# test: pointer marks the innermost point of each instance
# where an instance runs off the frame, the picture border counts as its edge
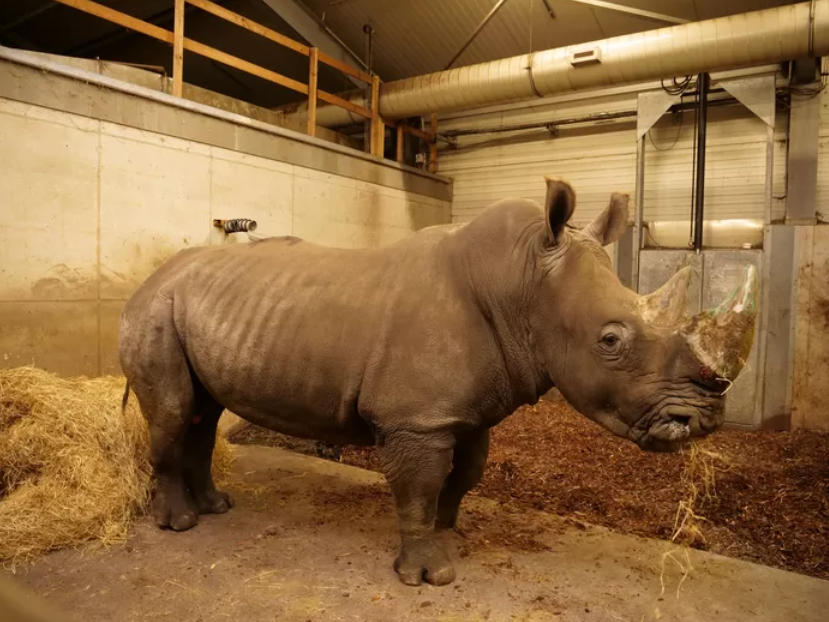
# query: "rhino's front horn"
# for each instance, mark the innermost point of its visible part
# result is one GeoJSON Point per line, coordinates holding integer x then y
{"type": "Point", "coordinates": [721, 338]}
{"type": "Point", "coordinates": [666, 306]}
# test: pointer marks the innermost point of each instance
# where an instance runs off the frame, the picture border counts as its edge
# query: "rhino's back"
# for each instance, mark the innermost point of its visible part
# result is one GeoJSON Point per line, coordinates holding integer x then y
{"type": "Point", "coordinates": [282, 330]}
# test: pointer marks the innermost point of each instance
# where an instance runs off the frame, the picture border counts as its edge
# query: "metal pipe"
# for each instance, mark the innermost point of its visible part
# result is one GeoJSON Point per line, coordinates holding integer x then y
{"type": "Point", "coordinates": [699, 201]}
{"type": "Point", "coordinates": [368, 30]}
{"type": "Point", "coordinates": [591, 118]}
{"type": "Point", "coordinates": [476, 32]}
{"type": "Point", "coordinates": [639, 189]}
{"type": "Point", "coordinates": [550, 125]}
{"type": "Point", "coordinates": [236, 225]}
{"type": "Point", "coordinates": [737, 41]}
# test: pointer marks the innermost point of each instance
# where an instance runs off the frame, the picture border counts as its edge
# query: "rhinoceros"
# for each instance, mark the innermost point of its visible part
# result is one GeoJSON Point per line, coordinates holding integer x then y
{"type": "Point", "coordinates": [419, 348]}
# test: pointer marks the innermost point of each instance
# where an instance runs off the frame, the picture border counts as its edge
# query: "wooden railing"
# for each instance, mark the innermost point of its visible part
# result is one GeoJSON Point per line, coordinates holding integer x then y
{"type": "Point", "coordinates": [315, 56]}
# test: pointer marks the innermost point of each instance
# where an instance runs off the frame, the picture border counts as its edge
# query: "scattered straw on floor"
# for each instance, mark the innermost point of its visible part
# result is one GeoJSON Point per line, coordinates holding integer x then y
{"type": "Point", "coordinates": [698, 482]}
{"type": "Point", "coordinates": [73, 467]}
{"type": "Point", "coordinates": [771, 504]}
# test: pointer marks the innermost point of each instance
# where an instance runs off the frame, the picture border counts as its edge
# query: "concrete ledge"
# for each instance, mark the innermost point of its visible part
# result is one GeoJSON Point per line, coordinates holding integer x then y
{"type": "Point", "coordinates": [33, 80]}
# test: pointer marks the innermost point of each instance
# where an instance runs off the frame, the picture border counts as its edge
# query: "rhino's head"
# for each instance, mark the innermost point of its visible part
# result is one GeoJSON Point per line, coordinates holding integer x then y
{"type": "Point", "coordinates": [638, 365]}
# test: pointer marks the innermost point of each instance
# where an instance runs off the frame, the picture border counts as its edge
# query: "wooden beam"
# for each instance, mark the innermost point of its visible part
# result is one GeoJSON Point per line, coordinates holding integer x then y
{"type": "Point", "coordinates": [418, 132]}
{"type": "Point", "coordinates": [344, 103]}
{"type": "Point", "coordinates": [409, 129]}
{"type": "Point", "coordinates": [132, 23]}
{"type": "Point", "coordinates": [401, 137]}
{"type": "Point", "coordinates": [243, 65]}
{"type": "Point", "coordinates": [377, 127]}
{"type": "Point", "coordinates": [244, 22]}
{"type": "Point", "coordinates": [433, 148]}
{"type": "Point", "coordinates": [312, 91]}
{"type": "Point", "coordinates": [178, 49]}
{"type": "Point", "coordinates": [345, 68]}
{"type": "Point", "coordinates": [122, 19]}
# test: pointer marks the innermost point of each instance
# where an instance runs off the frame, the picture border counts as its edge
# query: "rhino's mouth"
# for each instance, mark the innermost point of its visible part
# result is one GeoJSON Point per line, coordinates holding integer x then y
{"type": "Point", "coordinates": [676, 425]}
{"type": "Point", "coordinates": [668, 433]}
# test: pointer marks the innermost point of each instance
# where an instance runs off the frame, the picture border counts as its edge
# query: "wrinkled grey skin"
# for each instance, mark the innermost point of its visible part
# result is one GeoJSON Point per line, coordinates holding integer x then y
{"type": "Point", "coordinates": [418, 348]}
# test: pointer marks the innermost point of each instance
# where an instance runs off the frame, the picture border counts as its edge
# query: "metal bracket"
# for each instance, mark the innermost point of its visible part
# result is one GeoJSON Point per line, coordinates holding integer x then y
{"type": "Point", "coordinates": [650, 107]}
{"type": "Point", "coordinates": [757, 94]}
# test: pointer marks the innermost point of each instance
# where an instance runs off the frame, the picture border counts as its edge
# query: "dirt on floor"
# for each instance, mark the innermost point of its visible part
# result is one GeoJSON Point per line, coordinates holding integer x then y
{"type": "Point", "coordinates": [770, 505]}
{"type": "Point", "coordinates": [313, 540]}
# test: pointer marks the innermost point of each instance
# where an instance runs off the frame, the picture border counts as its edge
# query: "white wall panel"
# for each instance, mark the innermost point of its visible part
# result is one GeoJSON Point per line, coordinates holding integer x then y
{"type": "Point", "coordinates": [601, 158]}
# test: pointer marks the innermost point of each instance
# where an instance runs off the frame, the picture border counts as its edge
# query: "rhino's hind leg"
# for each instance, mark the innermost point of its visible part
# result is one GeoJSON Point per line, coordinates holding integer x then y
{"type": "Point", "coordinates": [167, 406]}
{"type": "Point", "coordinates": [416, 466]}
{"type": "Point", "coordinates": [157, 370]}
{"type": "Point", "coordinates": [468, 464]}
{"type": "Point", "coordinates": [198, 455]}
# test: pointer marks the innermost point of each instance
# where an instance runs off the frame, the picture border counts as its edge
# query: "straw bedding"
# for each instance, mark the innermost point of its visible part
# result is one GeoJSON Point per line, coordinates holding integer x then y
{"type": "Point", "coordinates": [759, 496]}
{"type": "Point", "coordinates": [73, 467]}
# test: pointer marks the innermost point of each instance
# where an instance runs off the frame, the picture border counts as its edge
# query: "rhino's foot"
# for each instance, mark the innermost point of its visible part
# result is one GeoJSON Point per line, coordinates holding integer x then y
{"type": "Point", "coordinates": [424, 561]}
{"type": "Point", "coordinates": [213, 502]}
{"type": "Point", "coordinates": [174, 511]}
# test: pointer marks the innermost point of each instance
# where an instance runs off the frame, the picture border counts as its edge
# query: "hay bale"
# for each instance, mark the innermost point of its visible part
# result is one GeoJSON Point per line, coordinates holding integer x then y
{"type": "Point", "coordinates": [73, 467]}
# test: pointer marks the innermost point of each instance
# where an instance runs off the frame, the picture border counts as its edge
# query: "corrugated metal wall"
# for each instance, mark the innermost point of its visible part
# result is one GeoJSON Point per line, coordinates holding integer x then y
{"type": "Point", "coordinates": [601, 158]}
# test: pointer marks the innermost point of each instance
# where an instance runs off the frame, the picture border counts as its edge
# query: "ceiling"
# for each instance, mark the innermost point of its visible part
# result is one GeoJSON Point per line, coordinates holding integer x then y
{"type": "Point", "coordinates": [414, 37]}
{"type": "Point", "coordinates": [411, 37]}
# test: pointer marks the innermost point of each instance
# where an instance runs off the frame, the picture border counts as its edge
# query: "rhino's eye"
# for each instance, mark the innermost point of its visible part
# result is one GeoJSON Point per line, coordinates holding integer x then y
{"type": "Point", "coordinates": [611, 341]}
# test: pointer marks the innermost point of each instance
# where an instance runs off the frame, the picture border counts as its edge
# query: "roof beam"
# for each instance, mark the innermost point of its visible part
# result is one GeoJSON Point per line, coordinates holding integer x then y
{"type": "Point", "coordinates": [475, 32]}
{"type": "Point", "coordinates": [621, 8]}
{"type": "Point", "coordinates": [315, 32]}
{"type": "Point", "coordinates": [26, 17]}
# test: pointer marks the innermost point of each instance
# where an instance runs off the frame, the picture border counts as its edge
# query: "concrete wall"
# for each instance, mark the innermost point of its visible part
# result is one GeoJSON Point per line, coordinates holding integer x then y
{"type": "Point", "coordinates": [810, 408]}
{"type": "Point", "coordinates": [811, 357]}
{"type": "Point", "coordinates": [90, 207]}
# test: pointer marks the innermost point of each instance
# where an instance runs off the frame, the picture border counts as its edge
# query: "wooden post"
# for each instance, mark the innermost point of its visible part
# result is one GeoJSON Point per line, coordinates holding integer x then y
{"type": "Point", "coordinates": [377, 129]}
{"type": "Point", "coordinates": [178, 49]}
{"type": "Point", "coordinates": [312, 92]}
{"type": "Point", "coordinates": [433, 148]}
{"type": "Point", "coordinates": [400, 142]}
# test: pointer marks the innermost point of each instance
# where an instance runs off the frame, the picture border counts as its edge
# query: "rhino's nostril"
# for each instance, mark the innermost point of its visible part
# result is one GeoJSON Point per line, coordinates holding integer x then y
{"type": "Point", "coordinates": [712, 385]}
{"type": "Point", "coordinates": [684, 420]}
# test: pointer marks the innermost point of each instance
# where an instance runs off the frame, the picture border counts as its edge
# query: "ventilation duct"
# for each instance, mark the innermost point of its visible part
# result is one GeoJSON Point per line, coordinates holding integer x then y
{"type": "Point", "coordinates": [761, 37]}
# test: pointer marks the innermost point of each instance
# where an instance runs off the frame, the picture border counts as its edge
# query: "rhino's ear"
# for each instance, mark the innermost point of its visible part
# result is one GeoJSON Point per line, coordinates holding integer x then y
{"type": "Point", "coordinates": [611, 224]}
{"type": "Point", "coordinates": [558, 205]}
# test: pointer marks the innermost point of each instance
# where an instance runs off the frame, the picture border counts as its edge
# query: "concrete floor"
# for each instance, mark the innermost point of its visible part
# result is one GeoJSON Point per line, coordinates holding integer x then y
{"type": "Point", "coordinates": [314, 540]}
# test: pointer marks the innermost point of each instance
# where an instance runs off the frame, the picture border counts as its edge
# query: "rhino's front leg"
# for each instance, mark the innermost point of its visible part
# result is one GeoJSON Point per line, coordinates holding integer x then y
{"type": "Point", "coordinates": [468, 464]}
{"type": "Point", "coordinates": [415, 465]}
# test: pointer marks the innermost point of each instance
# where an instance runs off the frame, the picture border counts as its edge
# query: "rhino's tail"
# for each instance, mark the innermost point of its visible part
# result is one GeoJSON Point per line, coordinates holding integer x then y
{"type": "Point", "coordinates": [126, 397]}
